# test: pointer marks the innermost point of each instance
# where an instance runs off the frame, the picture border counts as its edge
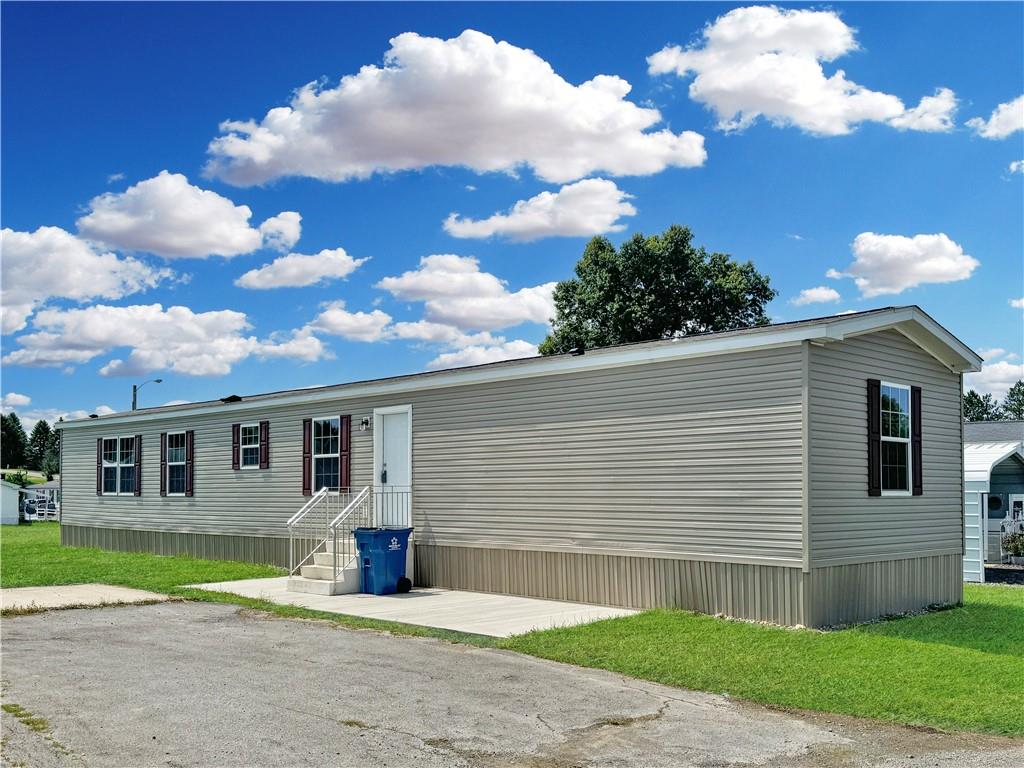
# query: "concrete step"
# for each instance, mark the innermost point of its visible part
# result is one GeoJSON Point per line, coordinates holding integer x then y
{"type": "Point", "coordinates": [314, 586]}
{"type": "Point", "coordinates": [345, 585]}
{"type": "Point", "coordinates": [327, 558]}
{"type": "Point", "coordinates": [317, 572]}
{"type": "Point", "coordinates": [343, 545]}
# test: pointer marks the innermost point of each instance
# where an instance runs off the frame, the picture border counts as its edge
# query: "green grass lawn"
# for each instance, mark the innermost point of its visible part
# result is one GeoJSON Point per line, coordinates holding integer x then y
{"type": "Point", "coordinates": [956, 669]}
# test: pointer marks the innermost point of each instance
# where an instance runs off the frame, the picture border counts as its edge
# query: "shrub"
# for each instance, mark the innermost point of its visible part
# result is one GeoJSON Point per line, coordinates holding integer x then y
{"type": "Point", "coordinates": [1014, 544]}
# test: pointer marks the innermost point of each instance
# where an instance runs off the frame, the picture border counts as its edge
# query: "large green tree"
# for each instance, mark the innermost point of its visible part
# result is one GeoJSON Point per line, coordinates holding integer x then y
{"type": "Point", "coordinates": [1013, 403]}
{"type": "Point", "coordinates": [979, 407]}
{"type": "Point", "coordinates": [654, 287]}
{"type": "Point", "coordinates": [13, 441]}
{"type": "Point", "coordinates": [39, 444]}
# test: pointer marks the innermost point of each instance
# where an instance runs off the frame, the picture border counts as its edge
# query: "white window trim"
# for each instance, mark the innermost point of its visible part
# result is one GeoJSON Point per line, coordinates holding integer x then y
{"type": "Point", "coordinates": [314, 455]}
{"type": "Point", "coordinates": [168, 463]}
{"type": "Point", "coordinates": [242, 446]}
{"type": "Point", "coordinates": [904, 440]}
{"type": "Point", "coordinates": [117, 465]}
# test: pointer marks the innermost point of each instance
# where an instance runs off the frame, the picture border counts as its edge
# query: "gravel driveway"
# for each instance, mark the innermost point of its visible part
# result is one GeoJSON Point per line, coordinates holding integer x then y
{"type": "Point", "coordinates": [193, 684]}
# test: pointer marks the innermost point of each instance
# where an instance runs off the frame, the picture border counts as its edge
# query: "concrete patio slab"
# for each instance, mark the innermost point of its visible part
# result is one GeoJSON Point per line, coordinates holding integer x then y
{"type": "Point", "coordinates": [476, 612]}
{"type": "Point", "coordinates": [73, 596]}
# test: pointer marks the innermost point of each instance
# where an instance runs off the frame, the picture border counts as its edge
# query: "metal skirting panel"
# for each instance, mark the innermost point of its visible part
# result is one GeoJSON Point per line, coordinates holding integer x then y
{"type": "Point", "coordinates": [758, 592]}
{"type": "Point", "coordinates": [249, 549]}
{"type": "Point", "coordinates": [846, 594]}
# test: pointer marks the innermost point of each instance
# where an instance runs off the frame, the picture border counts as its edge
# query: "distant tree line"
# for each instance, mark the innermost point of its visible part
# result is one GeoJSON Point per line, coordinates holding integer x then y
{"type": "Point", "coordinates": [978, 407]}
{"type": "Point", "coordinates": [39, 451]}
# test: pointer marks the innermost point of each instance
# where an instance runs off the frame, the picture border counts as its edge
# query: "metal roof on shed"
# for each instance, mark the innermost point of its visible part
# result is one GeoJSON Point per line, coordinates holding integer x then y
{"type": "Point", "coordinates": [981, 458]}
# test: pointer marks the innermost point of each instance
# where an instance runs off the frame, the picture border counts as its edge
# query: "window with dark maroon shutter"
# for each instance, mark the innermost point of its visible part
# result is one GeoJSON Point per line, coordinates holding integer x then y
{"type": "Point", "coordinates": [236, 448]}
{"type": "Point", "coordinates": [264, 445]}
{"type": "Point", "coordinates": [189, 461]}
{"type": "Point", "coordinates": [307, 457]}
{"type": "Point", "coordinates": [138, 465]}
{"type": "Point", "coordinates": [99, 466]}
{"type": "Point", "coordinates": [163, 463]}
{"type": "Point", "coordinates": [917, 459]}
{"type": "Point", "coordinates": [345, 457]}
{"type": "Point", "coordinates": [874, 437]}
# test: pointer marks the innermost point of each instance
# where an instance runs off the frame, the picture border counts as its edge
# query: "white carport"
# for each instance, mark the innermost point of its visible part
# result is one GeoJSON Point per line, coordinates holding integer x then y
{"type": "Point", "coordinates": [979, 461]}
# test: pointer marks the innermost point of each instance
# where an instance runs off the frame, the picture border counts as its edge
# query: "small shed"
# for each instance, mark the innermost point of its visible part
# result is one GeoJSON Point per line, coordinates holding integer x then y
{"type": "Point", "coordinates": [993, 501]}
{"type": "Point", "coordinates": [8, 503]}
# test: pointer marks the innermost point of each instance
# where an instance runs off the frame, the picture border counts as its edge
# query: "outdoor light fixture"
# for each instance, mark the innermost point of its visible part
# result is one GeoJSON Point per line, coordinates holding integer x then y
{"type": "Point", "coordinates": [137, 387]}
{"type": "Point", "coordinates": [364, 424]}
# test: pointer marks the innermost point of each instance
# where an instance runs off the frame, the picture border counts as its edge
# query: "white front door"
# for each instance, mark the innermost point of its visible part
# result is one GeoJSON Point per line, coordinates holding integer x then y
{"type": "Point", "coordinates": [393, 465]}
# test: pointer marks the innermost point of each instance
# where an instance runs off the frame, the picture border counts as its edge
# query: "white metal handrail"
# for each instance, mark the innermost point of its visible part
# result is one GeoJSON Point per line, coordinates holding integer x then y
{"type": "Point", "coordinates": [306, 507]}
{"type": "Point", "coordinates": [360, 497]}
{"type": "Point", "coordinates": [326, 523]}
{"type": "Point", "coordinates": [341, 532]}
{"type": "Point", "coordinates": [309, 528]}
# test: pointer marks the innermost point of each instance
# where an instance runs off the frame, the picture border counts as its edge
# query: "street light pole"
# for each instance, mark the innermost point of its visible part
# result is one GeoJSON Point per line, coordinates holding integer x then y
{"type": "Point", "coordinates": [137, 387]}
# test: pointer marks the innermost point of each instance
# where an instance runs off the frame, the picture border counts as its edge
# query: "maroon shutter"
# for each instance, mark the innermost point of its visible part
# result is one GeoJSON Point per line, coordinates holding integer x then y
{"type": "Point", "coordinates": [264, 445]}
{"type": "Point", "coordinates": [138, 465]}
{"type": "Point", "coordinates": [99, 466]}
{"type": "Point", "coordinates": [916, 458]}
{"type": "Point", "coordinates": [163, 463]}
{"type": "Point", "coordinates": [307, 457]}
{"type": "Point", "coordinates": [189, 462]}
{"type": "Point", "coordinates": [345, 454]}
{"type": "Point", "coordinates": [874, 437]}
{"type": "Point", "coordinates": [236, 438]}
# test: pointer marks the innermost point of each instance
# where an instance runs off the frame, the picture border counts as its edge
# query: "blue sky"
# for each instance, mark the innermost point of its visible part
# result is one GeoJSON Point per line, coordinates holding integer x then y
{"type": "Point", "coordinates": [765, 152]}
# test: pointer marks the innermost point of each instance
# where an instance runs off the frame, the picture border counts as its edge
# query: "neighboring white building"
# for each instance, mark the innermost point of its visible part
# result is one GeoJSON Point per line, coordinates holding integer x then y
{"type": "Point", "coordinates": [993, 499]}
{"type": "Point", "coordinates": [8, 503]}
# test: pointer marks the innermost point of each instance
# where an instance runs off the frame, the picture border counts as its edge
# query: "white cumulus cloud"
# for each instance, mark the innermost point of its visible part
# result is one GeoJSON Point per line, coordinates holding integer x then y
{"type": "Point", "coordinates": [996, 376]}
{"type": "Point", "coordinates": [1005, 120]}
{"type": "Point", "coordinates": [764, 61]}
{"type": "Point", "coordinates": [283, 231]}
{"type": "Point", "coordinates": [14, 400]}
{"type": "Point", "coordinates": [439, 333]}
{"type": "Point", "coordinates": [167, 216]}
{"type": "Point", "coordinates": [174, 339]}
{"type": "Point", "coordinates": [934, 114]}
{"type": "Point", "coordinates": [355, 326]}
{"type": "Point", "coordinates": [467, 101]}
{"type": "Point", "coordinates": [1016, 166]}
{"type": "Point", "coordinates": [297, 269]}
{"type": "Point", "coordinates": [1017, 303]}
{"type": "Point", "coordinates": [819, 295]}
{"type": "Point", "coordinates": [53, 263]}
{"type": "Point", "coordinates": [455, 292]}
{"type": "Point", "coordinates": [890, 264]}
{"type": "Point", "coordinates": [478, 355]}
{"type": "Point", "coordinates": [583, 209]}
{"type": "Point", "coordinates": [53, 415]}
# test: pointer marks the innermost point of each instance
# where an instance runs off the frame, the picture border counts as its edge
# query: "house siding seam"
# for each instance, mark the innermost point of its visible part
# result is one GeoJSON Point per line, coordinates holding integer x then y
{"type": "Point", "coordinates": [642, 458]}
{"type": "Point", "coordinates": [846, 524]}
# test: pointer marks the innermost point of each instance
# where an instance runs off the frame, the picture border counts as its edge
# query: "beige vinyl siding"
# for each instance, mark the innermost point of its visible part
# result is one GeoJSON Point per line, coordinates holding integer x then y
{"type": "Point", "coordinates": [847, 525]}
{"type": "Point", "coordinates": [847, 594]}
{"type": "Point", "coordinates": [697, 459]}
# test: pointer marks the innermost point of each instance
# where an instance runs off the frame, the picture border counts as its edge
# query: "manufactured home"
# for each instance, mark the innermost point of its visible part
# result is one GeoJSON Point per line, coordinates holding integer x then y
{"type": "Point", "coordinates": [804, 473]}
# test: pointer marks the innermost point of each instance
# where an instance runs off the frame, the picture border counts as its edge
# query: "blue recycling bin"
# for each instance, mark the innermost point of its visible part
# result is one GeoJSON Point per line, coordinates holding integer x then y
{"type": "Point", "coordinates": [381, 558]}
